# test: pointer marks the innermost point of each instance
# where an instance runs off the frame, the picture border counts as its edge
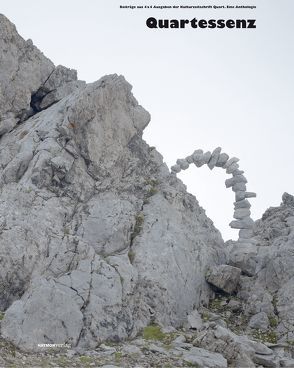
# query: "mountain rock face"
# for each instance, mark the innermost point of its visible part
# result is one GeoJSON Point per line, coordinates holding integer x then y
{"type": "Point", "coordinates": [97, 238]}
{"type": "Point", "coordinates": [271, 289]}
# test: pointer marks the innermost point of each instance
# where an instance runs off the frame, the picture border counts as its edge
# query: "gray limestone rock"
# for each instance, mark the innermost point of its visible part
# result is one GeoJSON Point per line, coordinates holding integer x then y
{"type": "Point", "coordinates": [194, 320]}
{"type": "Point", "coordinates": [222, 159]}
{"type": "Point", "coordinates": [239, 187]}
{"type": "Point", "coordinates": [198, 158]}
{"type": "Point", "coordinates": [97, 238]}
{"type": "Point", "coordinates": [243, 203]}
{"type": "Point", "coordinates": [232, 168]}
{"type": "Point", "coordinates": [206, 157]}
{"type": "Point", "coordinates": [244, 256]}
{"type": "Point", "coordinates": [237, 172]}
{"type": "Point", "coordinates": [214, 158]}
{"type": "Point", "coordinates": [235, 180]}
{"type": "Point", "coordinates": [205, 359]}
{"type": "Point", "coordinates": [176, 168]}
{"type": "Point", "coordinates": [250, 195]}
{"type": "Point", "coordinates": [189, 159]}
{"type": "Point", "coordinates": [6, 125]}
{"type": "Point", "coordinates": [245, 223]}
{"type": "Point", "coordinates": [241, 213]}
{"type": "Point", "coordinates": [183, 164]}
{"type": "Point", "coordinates": [246, 233]}
{"type": "Point", "coordinates": [259, 321]}
{"type": "Point", "coordinates": [231, 161]}
{"type": "Point", "coordinates": [224, 277]}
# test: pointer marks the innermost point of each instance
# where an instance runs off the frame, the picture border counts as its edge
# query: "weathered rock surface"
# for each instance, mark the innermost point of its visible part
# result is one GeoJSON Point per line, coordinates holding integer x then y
{"type": "Point", "coordinates": [97, 238]}
{"type": "Point", "coordinates": [224, 277]}
{"type": "Point", "coordinates": [267, 258]}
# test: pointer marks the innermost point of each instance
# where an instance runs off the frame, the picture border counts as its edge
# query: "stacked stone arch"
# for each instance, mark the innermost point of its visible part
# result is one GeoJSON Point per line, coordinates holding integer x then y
{"type": "Point", "coordinates": [237, 181]}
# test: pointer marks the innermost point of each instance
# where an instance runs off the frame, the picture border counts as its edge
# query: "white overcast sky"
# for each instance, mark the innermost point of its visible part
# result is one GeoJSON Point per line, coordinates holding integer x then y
{"type": "Point", "coordinates": [204, 88]}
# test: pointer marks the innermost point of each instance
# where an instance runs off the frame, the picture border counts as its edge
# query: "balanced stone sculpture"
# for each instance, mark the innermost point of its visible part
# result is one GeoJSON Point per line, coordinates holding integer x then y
{"type": "Point", "coordinates": [237, 182]}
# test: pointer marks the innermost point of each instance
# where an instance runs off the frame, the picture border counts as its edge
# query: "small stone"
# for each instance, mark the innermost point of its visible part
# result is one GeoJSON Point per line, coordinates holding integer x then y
{"type": "Point", "coordinates": [259, 321]}
{"type": "Point", "coordinates": [250, 195]}
{"type": "Point", "coordinates": [183, 164]}
{"type": "Point", "coordinates": [194, 320]}
{"type": "Point", "coordinates": [241, 213]}
{"type": "Point", "coordinates": [232, 168]}
{"type": "Point", "coordinates": [224, 277]}
{"type": "Point", "coordinates": [235, 305]}
{"type": "Point", "coordinates": [240, 195]}
{"type": "Point", "coordinates": [197, 157]}
{"type": "Point", "coordinates": [231, 161]}
{"type": "Point", "coordinates": [205, 359]}
{"type": "Point", "coordinates": [245, 233]}
{"type": "Point", "coordinates": [214, 158]}
{"type": "Point", "coordinates": [239, 186]}
{"type": "Point", "coordinates": [179, 340]}
{"type": "Point", "coordinates": [157, 349]}
{"type": "Point", "coordinates": [242, 204]}
{"type": "Point", "coordinates": [131, 349]}
{"type": "Point", "coordinates": [223, 158]}
{"type": "Point", "coordinates": [237, 172]}
{"type": "Point", "coordinates": [234, 180]}
{"type": "Point", "coordinates": [189, 159]}
{"type": "Point", "coordinates": [287, 362]}
{"type": "Point", "coordinates": [245, 223]}
{"type": "Point", "coordinates": [206, 157]}
{"type": "Point", "coordinates": [269, 361]}
{"type": "Point", "coordinates": [199, 162]}
{"type": "Point", "coordinates": [176, 168]}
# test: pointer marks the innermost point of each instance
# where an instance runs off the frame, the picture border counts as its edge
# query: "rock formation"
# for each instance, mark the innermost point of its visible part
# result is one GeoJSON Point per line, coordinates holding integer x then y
{"type": "Point", "coordinates": [100, 242]}
{"type": "Point", "coordinates": [97, 239]}
{"type": "Point", "coordinates": [237, 182]}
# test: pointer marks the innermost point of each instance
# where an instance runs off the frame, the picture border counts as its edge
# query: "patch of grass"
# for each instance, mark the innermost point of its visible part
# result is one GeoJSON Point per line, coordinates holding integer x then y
{"type": "Point", "coordinates": [139, 221]}
{"type": "Point", "coordinates": [2, 315]}
{"type": "Point", "coordinates": [273, 321]}
{"type": "Point", "coordinates": [131, 255]}
{"type": "Point", "coordinates": [189, 364]}
{"type": "Point", "coordinates": [153, 332]}
{"type": "Point", "coordinates": [152, 182]}
{"type": "Point", "coordinates": [265, 336]}
{"type": "Point", "coordinates": [62, 361]}
{"type": "Point", "coordinates": [117, 356]}
{"type": "Point", "coordinates": [86, 360]}
{"type": "Point", "coordinates": [205, 316]}
{"type": "Point", "coordinates": [151, 192]}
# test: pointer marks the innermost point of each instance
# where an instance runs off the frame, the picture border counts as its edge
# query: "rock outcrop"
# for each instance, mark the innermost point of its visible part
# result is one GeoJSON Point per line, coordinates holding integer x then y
{"type": "Point", "coordinates": [97, 238]}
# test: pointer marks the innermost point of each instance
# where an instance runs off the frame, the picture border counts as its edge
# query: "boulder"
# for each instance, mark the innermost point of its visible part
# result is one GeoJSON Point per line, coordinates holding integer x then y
{"type": "Point", "coordinates": [224, 277]}
{"type": "Point", "coordinates": [259, 321]}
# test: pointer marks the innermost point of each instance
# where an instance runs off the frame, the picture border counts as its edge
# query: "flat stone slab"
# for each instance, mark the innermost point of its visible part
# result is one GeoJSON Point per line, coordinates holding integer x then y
{"type": "Point", "coordinates": [241, 213]}
{"type": "Point", "coordinates": [244, 203]}
{"type": "Point", "coordinates": [214, 158]}
{"type": "Point", "coordinates": [202, 358]}
{"type": "Point", "coordinates": [222, 159]}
